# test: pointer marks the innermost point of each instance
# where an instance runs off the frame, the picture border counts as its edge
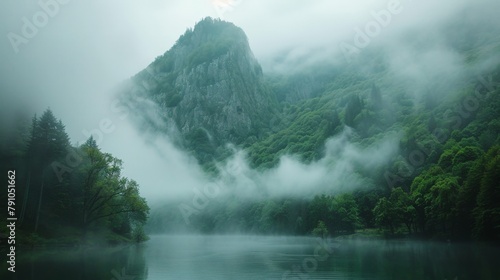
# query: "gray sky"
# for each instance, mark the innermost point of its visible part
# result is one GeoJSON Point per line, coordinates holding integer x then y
{"type": "Point", "coordinates": [80, 50]}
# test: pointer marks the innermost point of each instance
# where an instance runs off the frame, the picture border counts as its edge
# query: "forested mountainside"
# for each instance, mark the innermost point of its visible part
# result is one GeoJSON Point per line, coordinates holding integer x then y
{"type": "Point", "coordinates": [377, 139]}
{"type": "Point", "coordinates": [208, 91]}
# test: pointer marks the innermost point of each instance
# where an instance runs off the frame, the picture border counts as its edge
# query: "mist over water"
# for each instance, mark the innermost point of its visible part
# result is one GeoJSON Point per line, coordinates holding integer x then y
{"type": "Point", "coordinates": [187, 257]}
{"type": "Point", "coordinates": [421, 53]}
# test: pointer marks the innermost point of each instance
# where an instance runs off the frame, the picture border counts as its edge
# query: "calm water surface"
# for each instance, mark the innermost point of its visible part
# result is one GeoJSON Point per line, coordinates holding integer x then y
{"type": "Point", "coordinates": [246, 257]}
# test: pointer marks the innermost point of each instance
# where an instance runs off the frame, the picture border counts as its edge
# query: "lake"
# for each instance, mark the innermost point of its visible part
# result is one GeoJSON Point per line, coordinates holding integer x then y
{"type": "Point", "coordinates": [220, 257]}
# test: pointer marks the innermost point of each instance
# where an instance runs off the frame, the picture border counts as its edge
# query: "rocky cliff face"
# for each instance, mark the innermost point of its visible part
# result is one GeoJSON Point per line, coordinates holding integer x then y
{"type": "Point", "coordinates": [208, 87]}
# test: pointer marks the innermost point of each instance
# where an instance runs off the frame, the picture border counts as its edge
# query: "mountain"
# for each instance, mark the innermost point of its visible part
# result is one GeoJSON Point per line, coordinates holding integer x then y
{"type": "Point", "coordinates": [208, 88]}
{"type": "Point", "coordinates": [335, 121]}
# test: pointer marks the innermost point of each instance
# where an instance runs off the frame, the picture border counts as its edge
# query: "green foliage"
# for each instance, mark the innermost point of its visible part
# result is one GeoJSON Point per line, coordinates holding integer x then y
{"type": "Point", "coordinates": [138, 235]}
{"type": "Point", "coordinates": [444, 171]}
{"type": "Point", "coordinates": [391, 212]}
{"type": "Point", "coordinates": [345, 213]}
{"type": "Point", "coordinates": [107, 195]}
{"type": "Point", "coordinates": [209, 51]}
{"type": "Point", "coordinates": [91, 196]}
{"type": "Point", "coordinates": [487, 212]}
{"type": "Point", "coordinates": [353, 109]}
{"type": "Point", "coordinates": [304, 136]}
{"type": "Point", "coordinates": [224, 36]}
{"type": "Point", "coordinates": [48, 140]}
{"type": "Point", "coordinates": [448, 164]}
{"type": "Point", "coordinates": [384, 214]}
{"type": "Point", "coordinates": [320, 230]}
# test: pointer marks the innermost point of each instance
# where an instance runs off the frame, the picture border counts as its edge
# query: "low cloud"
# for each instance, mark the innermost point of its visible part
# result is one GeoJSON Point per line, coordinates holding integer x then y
{"type": "Point", "coordinates": [172, 175]}
{"type": "Point", "coordinates": [337, 172]}
{"type": "Point", "coordinates": [75, 60]}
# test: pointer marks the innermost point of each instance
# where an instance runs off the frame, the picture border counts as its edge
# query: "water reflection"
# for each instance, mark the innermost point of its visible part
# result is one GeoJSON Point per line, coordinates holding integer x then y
{"type": "Point", "coordinates": [247, 257]}
{"type": "Point", "coordinates": [119, 263]}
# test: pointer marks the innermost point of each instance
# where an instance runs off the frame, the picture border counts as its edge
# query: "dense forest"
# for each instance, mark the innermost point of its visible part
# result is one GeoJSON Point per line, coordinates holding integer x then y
{"type": "Point", "coordinates": [442, 183]}
{"type": "Point", "coordinates": [69, 194]}
{"type": "Point", "coordinates": [231, 139]}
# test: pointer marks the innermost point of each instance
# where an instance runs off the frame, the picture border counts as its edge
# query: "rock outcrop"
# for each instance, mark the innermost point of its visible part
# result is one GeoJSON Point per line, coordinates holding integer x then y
{"type": "Point", "coordinates": [208, 87]}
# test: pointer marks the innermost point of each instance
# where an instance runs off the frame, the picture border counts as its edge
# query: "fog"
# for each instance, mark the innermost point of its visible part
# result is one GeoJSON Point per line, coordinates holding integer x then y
{"type": "Point", "coordinates": [335, 173]}
{"type": "Point", "coordinates": [82, 50]}
{"type": "Point", "coordinates": [264, 257]}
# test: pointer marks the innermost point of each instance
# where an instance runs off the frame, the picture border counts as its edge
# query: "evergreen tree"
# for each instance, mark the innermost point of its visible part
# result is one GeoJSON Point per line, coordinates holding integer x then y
{"type": "Point", "coordinates": [487, 212]}
{"type": "Point", "coordinates": [48, 142]}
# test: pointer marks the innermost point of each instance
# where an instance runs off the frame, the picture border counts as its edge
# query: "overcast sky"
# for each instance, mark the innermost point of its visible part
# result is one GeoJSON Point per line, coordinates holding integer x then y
{"type": "Point", "coordinates": [79, 50]}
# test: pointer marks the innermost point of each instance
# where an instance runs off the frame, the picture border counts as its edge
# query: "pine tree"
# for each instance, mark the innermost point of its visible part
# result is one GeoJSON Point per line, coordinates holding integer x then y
{"type": "Point", "coordinates": [48, 142]}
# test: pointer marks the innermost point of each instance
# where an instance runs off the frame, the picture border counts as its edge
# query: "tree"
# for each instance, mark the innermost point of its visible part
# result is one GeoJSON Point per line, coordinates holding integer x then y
{"type": "Point", "coordinates": [487, 212]}
{"type": "Point", "coordinates": [48, 142]}
{"type": "Point", "coordinates": [420, 195]}
{"type": "Point", "coordinates": [319, 210]}
{"type": "Point", "coordinates": [366, 201]}
{"type": "Point", "coordinates": [391, 212]}
{"type": "Point", "coordinates": [107, 195]}
{"type": "Point", "coordinates": [385, 216]}
{"type": "Point", "coordinates": [354, 107]}
{"type": "Point", "coordinates": [345, 213]}
{"type": "Point", "coordinates": [466, 199]}
{"type": "Point", "coordinates": [320, 230]}
{"type": "Point", "coordinates": [403, 208]}
{"type": "Point", "coordinates": [441, 203]}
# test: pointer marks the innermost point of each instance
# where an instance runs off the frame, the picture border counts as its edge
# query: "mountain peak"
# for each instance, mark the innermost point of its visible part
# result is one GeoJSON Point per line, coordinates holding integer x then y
{"type": "Point", "coordinates": [219, 27]}
{"type": "Point", "coordinates": [210, 86]}
{"type": "Point", "coordinates": [209, 39]}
